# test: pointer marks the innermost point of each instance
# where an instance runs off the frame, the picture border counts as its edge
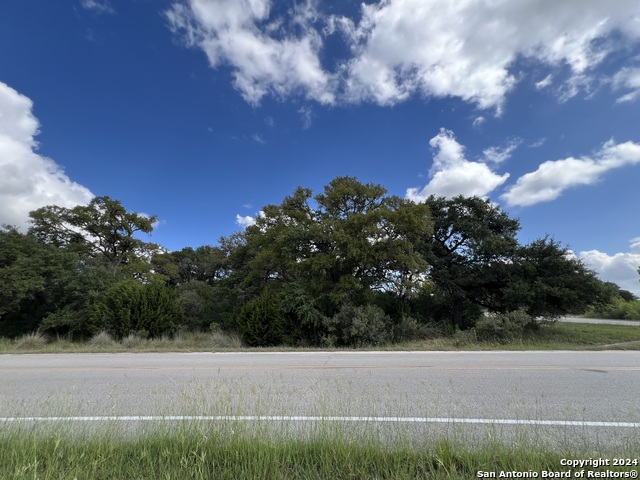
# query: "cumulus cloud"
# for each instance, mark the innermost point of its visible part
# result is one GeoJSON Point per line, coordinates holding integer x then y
{"type": "Point", "coordinates": [245, 221]}
{"type": "Point", "coordinates": [629, 79]}
{"type": "Point", "coordinates": [467, 49]}
{"type": "Point", "coordinates": [398, 48]}
{"type": "Point", "coordinates": [28, 180]}
{"type": "Point", "coordinates": [554, 177]}
{"type": "Point", "coordinates": [98, 6]}
{"type": "Point", "coordinates": [620, 268]}
{"type": "Point", "coordinates": [452, 174]}
{"type": "Point", "coordinates": [267, 56]}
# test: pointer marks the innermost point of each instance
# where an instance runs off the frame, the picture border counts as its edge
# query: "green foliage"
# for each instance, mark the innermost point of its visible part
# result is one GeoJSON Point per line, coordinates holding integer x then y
{"type": "Point", "coordinates": [130, 306]}
{"type": "Point", "coordinates": [469, 251]}
{"type": "Point", "coordinates": [548, 281]}
{"type": "Point", "coordinates": [349, 266]}
{"type": "Point", "coordinates": [198, 302]}
{"type": "Point", "coordinates": [357, 326]}
{"type": "Point", "coordinates": [75, 313]}
{"type": "Point", "coordinates": [504, 327]}
{"type": "Point", "coordinates": [618, 308]}
{"type": "Point", "coordinates": [103, 229]}
{"type": "Point", "coordinates": [262, 321]}
{"type": "Point", "coordinates": [37, 280]}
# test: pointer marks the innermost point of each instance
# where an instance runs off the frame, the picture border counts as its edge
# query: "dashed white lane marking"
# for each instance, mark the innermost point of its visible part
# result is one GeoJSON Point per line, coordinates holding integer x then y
{"type": "Point", "coordinates": [301, 418]}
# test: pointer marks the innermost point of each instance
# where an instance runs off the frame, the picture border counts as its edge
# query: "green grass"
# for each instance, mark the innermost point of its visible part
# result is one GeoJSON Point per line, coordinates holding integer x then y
{"type": "Point", "coordinates": [556, 336]}
{"type": "Point", "coordinates": [213, 451]}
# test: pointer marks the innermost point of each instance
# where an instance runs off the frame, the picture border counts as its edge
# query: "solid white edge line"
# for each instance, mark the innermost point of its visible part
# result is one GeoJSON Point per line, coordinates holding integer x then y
{"type": "Point", "coordinates": [300, 418]}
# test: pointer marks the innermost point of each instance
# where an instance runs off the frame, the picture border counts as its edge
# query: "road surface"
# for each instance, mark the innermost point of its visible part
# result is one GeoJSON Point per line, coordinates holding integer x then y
{"type": "Point", "coordinates": [601, 321]}
{"type": "Point", "coordinates": [564, 396]}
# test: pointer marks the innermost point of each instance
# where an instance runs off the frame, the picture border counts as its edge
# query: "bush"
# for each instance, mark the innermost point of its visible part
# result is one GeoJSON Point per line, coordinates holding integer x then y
{"type": "Point", "coordinates": [31, 341]}
{"type": "Point", "coordinates": [503, 327]}
{"type": "Point", "coordinates": [262, 321]}
{"type": "Point", "coordinates": [619, 309]}
{"type": "Point", "coordinates": [359, 326]}
{"type": "Point", "coordinates": [198, 303]}
{"type": "Point", "coordinates": [130, 306]}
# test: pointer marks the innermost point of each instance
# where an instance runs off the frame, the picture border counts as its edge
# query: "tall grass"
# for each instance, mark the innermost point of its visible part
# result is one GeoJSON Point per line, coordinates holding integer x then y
{"type": "Point", "coordinates": [246, 451]}
{"type": "Point", "coordinates": [549, 336]}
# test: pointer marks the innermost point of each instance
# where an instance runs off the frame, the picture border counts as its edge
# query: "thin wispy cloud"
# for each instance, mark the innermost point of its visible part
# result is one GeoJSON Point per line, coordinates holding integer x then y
{"type": "Point", "coordinates": [98, 6]}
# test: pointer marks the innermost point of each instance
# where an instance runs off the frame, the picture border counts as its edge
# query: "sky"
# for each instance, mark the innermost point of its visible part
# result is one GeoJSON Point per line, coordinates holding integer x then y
{"type": "Point", "coordinates": [203, 111]}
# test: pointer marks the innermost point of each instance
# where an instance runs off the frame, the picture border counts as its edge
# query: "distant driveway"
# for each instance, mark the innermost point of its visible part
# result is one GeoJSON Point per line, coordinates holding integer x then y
{"type": "Point", "coordinates": [601, 321]}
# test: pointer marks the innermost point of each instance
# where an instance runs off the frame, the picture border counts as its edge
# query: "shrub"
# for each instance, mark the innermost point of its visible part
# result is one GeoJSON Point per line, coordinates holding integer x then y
{"type": "Point", "coordinates": [503, 327]}
{"type": "Point", "coordinates": [262, 321]}
{"type": "Point", "coordinates": [130, 306]}
{"type": "Point", "coordinates": [619, 309]}
{"type": "Point", "coordinates": [359, 326]}
{"type": "Point", "coordinates": [198, 303]}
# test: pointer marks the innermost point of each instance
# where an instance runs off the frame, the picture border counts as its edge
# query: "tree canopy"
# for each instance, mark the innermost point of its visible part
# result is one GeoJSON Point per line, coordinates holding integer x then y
{"type": "Point", "coordinates": [350, 265]}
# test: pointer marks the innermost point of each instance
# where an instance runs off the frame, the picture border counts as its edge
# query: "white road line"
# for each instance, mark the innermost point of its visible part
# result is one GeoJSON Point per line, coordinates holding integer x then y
{"type": "Point", "coordinates": [283, 418]}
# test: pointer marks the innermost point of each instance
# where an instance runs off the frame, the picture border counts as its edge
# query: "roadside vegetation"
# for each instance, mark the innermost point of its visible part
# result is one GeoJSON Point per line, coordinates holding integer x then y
{"type": "Point", "coordinates": [547, 336]}
{"type": "Point", "coordinates": [243, 450]}
{"type": "Point", "coordinates": [346, 268]}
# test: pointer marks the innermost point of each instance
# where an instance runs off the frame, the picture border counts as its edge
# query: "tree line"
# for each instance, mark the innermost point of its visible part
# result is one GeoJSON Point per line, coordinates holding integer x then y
{"type": "Point", "coordinates": [348, 266]}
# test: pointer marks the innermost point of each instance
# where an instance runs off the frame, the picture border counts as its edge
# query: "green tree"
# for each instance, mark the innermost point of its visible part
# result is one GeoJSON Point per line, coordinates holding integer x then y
{"type": "Point", "coordinates": [51, 289]}
{"type": "Point", "coordinates": [355, 244]}
{"type": "Point", "coordinates": [203, 264]}
{"type": "Point", "coordinates": [469, 253]}
{"type": "Point", "coordinates": [548, 281]}
{"type": "Point", "coordinates": [102, 229]}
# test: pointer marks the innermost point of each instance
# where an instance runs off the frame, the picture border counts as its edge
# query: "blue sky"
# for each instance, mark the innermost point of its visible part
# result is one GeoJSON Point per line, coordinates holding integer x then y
{"type": "Point", "coordinates": [203, 111]}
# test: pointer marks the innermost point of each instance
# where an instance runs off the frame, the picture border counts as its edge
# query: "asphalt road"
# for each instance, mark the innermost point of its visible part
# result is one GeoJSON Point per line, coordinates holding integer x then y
{"type": "Point", "coordinates": [601, 321]}
{"type": "Point", "coordinates": [534, 387]}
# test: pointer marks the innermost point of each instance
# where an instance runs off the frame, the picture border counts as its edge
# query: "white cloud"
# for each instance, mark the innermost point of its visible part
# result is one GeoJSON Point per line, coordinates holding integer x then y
{"type": "Point", "coordinates": [628, 78]}
{"type": "Point", "coordinates": [258, 138]}
{"type": "Point", "coordinates": [467, 48]}
{"type": "Point", "coordinates": [545, 82]}
{"type": "Point", "coordinates": [266, 57]}
{"type": "Point", "coordinates": [500, 154]}
{"type": "Point", "coordinates": [620, 268]}
{"type": "Point", "coordinates": [27, 179]}
{"type": "Point", "coordinates": [306, 116]}
{"type": "Point", "coordinates": [554, 177]}
{"type": "Point", "coordinates": [452, 174]}
{"type": "Point", "coordinates": [245, 221]}
{"type": "Point", "coordinates": [98, 6]}
{"type": "Point", "coordinates": [478, 121]}
{"type": "Point", "coordinates": [399, 48]}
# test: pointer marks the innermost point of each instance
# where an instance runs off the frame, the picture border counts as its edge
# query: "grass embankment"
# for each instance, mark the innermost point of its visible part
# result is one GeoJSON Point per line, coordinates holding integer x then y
{"type": "Point", "coordinates": [557, 336]}
{"type": "Point", "coordinates": [220, 453]}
